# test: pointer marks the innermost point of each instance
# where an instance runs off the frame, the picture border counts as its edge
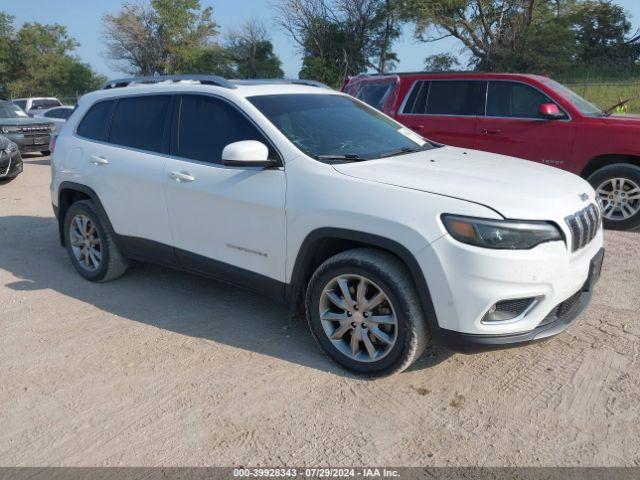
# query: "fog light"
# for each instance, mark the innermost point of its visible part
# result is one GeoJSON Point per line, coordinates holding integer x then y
{"type": "Point", "coordinates": [509, 310]}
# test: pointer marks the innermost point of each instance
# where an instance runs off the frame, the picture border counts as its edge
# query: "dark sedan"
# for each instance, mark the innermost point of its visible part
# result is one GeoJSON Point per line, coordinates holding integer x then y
{"type": "Point", "coordinates": [10, 159]}
{"type": "Point", "coordinates": [30, 134]}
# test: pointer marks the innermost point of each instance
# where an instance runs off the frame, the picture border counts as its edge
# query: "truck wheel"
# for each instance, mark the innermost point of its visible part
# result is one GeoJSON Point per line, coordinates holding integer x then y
{"type": "Point", "coordinates": [90, 245]}
{"type": "Point", "coordinates": [364, 312]}
{"type": "Point", "coordinates": [618, 188]}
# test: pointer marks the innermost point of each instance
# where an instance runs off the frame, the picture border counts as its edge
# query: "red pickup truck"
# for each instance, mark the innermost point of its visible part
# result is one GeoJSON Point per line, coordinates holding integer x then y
{"type": "Point", "coordinates": [526, 116]}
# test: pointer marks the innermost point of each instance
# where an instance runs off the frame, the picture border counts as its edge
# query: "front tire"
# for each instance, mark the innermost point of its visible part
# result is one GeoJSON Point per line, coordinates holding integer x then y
{"type": "Point", "coordinates": [363, 310]}
{"type": "Point", "coordinates": [618, 188]}
{"type": "Point", "coordinates": [90, 244]}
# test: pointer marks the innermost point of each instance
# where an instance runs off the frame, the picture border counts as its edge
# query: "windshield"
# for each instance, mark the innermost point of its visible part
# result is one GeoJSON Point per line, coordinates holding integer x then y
{"type": "Point", "coordinates": [583, 106]}
{"type": "Point", "coordinates": [9, 110]}
{"type": "Point", "coordinates": [334, 127]}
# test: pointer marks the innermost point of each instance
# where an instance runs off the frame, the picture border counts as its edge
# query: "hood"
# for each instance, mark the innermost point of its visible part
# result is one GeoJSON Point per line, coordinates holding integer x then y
{"type": "Point", "coordinates": [517, 189]}
{"type": "Point", "coordinates": [24, 121]}
{"type": "Point", "coordinates": [630, 120]}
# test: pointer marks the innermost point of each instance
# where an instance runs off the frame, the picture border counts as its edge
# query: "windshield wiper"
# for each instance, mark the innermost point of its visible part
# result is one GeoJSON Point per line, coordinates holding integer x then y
{"type": "Point", "coordinates": [620, 104]}
{"type": "Point", "coordinates": [402, 151]}
{"type": "Point", "coordinates": [349, 157]}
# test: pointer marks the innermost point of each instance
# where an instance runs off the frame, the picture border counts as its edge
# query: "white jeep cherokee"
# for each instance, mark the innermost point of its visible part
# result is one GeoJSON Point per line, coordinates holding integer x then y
{"type": "Point", "coordinates": [387, 240]}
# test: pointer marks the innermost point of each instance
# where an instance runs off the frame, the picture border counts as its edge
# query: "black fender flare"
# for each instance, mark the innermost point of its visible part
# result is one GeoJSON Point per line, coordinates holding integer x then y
{"type": "Point", "coordinates": [89, 192]}
{"type": "Point", "coordinates": [304, 259]}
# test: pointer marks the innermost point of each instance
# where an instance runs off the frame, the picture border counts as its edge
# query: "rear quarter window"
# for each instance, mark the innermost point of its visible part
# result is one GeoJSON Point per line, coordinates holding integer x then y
{"type": "Point", "coordinates": [64, 113]}
{"type": "Point", "coordinates": [95, 123]}
{"type": "Point", "coordinates": [375, 94]}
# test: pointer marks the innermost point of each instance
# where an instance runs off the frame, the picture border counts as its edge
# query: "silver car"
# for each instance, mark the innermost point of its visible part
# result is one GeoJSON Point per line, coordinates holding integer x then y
{"type": "Point", "coordinates": [10, 160]}
{"type": "Point", "coordinates": [57, 115]}
{"type": "Point", "coordinates": [30, 134]}
{"type": "Point", "coordinates": [33, 105]}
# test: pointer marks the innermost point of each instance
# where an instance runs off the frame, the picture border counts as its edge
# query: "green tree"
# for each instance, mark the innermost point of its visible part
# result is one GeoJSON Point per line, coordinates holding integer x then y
{"type": "Point", "coordinates": [547, 45]}
{"type": "Point", "coordinates": [163, 37]}
{"type": "Point", "coordinates": [8, 53]}
{"type": "Point", "coordinates": [601, 31]}
{"type": "Point", "coordinates": [544, 36]}
{"type": "Point", "coordinates": [251, 52]}
{"type": "Point", "coordinates": [338, 38]}
{"type": "Point", "coordinates": [488, 29]}
{"type": "Point", "coordinates": [38, 60]}
{"type": "Point", "coordinates": [441, 62]}
{"type": "Point", "coordinates": [386, 30]}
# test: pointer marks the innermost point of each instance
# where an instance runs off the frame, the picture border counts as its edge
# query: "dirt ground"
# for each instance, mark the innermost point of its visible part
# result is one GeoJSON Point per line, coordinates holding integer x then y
{"type": "Point", "coordinates": [164, 368]}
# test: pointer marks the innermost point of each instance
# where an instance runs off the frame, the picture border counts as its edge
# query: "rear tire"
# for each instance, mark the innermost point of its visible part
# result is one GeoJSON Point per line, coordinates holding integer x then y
{"type": "Point", "coordinates": [389, 335]}
{"type": "Point", "coordinates": [618, 187]}
{"type": "Point", "coordinates": [90, 244]}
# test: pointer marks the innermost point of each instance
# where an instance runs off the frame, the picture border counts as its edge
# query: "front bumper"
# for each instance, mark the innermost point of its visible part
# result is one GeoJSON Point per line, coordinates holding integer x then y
{"type": "Point", "coordinates": [568, 313]}
{"type": "Point", "coordinates": [10, 167]}
{"type": "Point", "coordinates": [30, 143]}
{"type": "Point", "coordinates": [466, 281]}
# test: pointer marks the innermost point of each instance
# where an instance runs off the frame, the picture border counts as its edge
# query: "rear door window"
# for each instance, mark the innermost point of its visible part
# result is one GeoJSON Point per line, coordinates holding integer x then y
{"type": "Point", "coordinates": [95, 124]}
{"type": "Point", "coordinates": [208, 124]}
{"type": "Point", "coordinates": [456, 97]}
{"type": "Point", "coordinates": [514, 100]}
{"type": "Point", "coordinates": [139, 122]}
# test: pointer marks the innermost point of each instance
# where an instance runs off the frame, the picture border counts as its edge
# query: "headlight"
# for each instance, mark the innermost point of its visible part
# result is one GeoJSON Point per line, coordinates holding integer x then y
{"type": "Point", "coordinates": [500, 234]}
{"type": "Point", "coordinates": [9, 129]}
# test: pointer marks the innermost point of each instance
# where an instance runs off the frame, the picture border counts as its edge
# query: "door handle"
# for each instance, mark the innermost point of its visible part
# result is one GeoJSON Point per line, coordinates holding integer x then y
{"type": "Point", "coordinates": [486, 131]}
{"type": "Point", "coordinates": [182, 177]}
{"type": "Point", "coordinates": [417, 128]}
{"type": "Point", "coordinates": [98, 160]}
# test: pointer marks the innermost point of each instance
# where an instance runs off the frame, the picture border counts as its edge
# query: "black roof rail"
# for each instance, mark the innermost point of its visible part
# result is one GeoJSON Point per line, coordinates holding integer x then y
{"type": "Point", "coordinates": [280, 81]}
{"type": "Point", "coordinates": [203, 79]}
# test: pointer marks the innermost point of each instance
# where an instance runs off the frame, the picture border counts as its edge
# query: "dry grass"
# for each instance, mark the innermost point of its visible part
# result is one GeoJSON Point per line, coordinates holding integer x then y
{"type": "Point", "coordinates": [606, 94]}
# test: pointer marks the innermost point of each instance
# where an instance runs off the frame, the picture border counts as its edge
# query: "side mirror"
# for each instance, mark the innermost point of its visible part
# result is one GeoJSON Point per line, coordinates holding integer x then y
{"type": "Point", "coordinates": [247, 153]}
{"type": "Point", "coordinates": [550, 111]}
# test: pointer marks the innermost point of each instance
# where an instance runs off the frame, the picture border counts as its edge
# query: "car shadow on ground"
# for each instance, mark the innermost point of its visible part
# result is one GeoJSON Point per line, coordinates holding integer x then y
{"type": "Point", "coordinates": [36, 159]}
{"type": "Point", "coordinates": [168, 299]}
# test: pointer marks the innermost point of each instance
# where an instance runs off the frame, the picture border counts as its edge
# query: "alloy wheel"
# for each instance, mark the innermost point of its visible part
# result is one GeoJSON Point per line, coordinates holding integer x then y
{"type": "Point", "coordinates": [358, 318]}
{"type": "Point", "coordinates": [620, 198]}
{"type": "Point", "coordinates": [85, 242]}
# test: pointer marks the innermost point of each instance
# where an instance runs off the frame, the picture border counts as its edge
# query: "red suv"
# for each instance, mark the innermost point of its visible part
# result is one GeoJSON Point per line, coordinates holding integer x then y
{"type": "Point", "coordinates": [526, 116]}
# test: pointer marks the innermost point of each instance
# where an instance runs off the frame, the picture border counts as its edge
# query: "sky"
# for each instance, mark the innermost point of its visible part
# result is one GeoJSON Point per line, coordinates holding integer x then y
{"type": "Point", "coordinates": [83, 19]}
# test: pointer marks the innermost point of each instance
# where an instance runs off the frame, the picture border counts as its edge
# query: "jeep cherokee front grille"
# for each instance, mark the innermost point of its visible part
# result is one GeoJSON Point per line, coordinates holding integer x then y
{"type": "Point", "coordinates": [583, 226]}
